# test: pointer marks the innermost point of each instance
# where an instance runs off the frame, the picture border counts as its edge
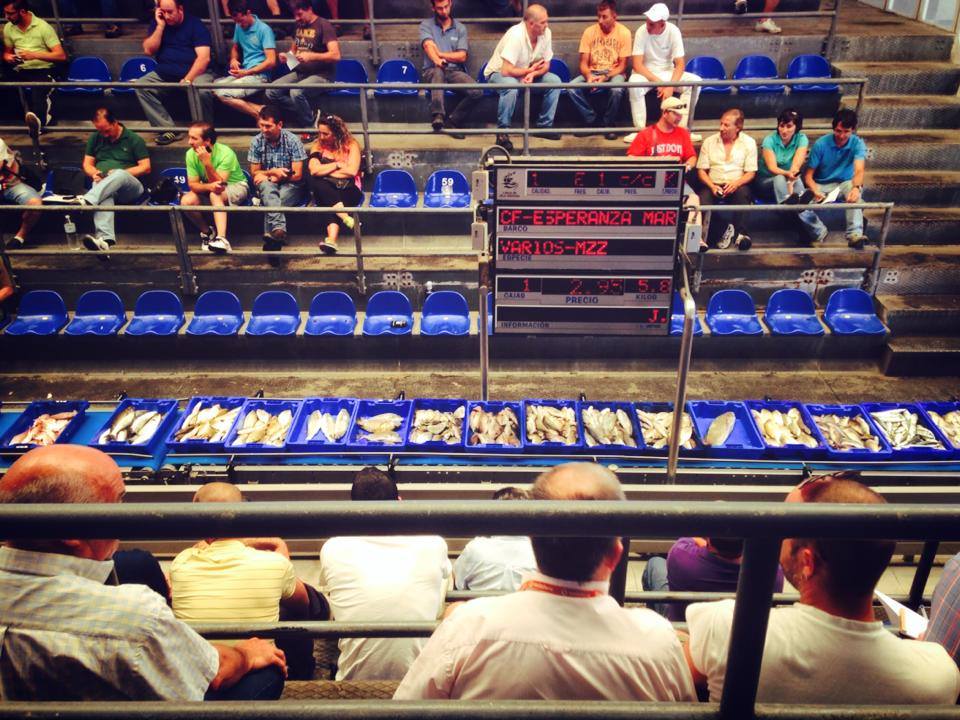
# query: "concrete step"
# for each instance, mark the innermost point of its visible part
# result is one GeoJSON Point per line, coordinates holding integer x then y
{"type": "Point", "coordinates": [915, 78]}
{"type": "Point", "coordinates": [881, 36]}
{"type": "Point", "coordinates": [914, 187]}
{"type": "Point", "coordinates": [918, 355]}
{"type": "Point", "coordinates": [920, 314]}
{"type": "Point", "coordinates": [912, 111]}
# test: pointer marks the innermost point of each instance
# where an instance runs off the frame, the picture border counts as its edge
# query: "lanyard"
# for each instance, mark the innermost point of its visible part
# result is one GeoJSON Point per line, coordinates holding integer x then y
{"type": "Point", "coordinates": [541, 586]}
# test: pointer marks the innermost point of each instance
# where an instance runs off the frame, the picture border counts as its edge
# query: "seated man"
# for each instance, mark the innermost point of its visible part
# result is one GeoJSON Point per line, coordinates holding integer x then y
{"type": "Point", "coordinates": [445, 47]}
{"type": "Point", "coordinates": [604, 51]}
{"type": "Point", "coordinates": [562, 637]}
{"type": "Point", "coordinates": [837, 162]}
{"type": "Point", "coordinates": [253, 56]}
{"type": "Point", "coordinates": [382, 579]}
{"type": "Point", "coordinates": [726, 166]}
{"type": "Point", "coordinates": [213, 173]}
{"type": "Point", "coordinates": [523, 57]}
{"type": "Point", "coordinates": [17, 192]}
{"type": "Point", "coordinates": [827, 648]}
{"type": "Point", "coordinates": [69, 636]}
{"type": "Point", "coordinates": [313, 55]}
{"type": "Point", "coordinates": [499, 562]}
{"type": "Point", "coordinates": [244, 580]}
{"type": "Point", "coordinates": [276, 159]}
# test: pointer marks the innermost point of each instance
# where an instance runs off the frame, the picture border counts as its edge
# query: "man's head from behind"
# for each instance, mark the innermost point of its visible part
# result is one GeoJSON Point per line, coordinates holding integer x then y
{"type": "Point", "coordinates": [578, 559]}
{"type": "Point", "coordinates": [64, 474]}
{"type": "Point", "coordinates": [221, 492]}
{"type": "Point", "coordinates": [373, 484]}
{"type": "Point", "coordinates": [511, 493]}
{"type": "Point", "coordinates": [845, 571]}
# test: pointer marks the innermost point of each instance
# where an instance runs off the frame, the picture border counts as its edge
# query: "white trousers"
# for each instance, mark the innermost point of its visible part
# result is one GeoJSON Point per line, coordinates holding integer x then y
{"type": "Point", "coordinates": [638, 107]}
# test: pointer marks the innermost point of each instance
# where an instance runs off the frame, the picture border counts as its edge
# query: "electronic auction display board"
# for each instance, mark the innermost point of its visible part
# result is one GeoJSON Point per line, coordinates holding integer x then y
{"type": "Point", "coordinates": [585, 246]}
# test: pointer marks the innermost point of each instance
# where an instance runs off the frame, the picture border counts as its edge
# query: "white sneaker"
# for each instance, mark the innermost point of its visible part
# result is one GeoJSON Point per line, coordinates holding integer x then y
{"type": "Point", "coordinates": [95, 243]}
{"type": "Point", "coordinates": [219, 245]}
{"type": "Point", "coordinates": [630, 138]}
{"type": "Point", "coordinates": [726, 240]}
{"type": "Point", "coordinates": [740, 7]}
{"type": "Point", "coordinates": [767, 25]}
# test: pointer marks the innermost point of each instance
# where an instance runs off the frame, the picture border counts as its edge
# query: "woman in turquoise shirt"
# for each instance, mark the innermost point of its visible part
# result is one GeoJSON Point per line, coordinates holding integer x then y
{"type": "Point", "coordinates": [784, 152]}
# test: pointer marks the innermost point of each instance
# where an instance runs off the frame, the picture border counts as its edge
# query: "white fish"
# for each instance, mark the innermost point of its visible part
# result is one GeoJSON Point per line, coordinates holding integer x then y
{"type": "Point", "coordinates": [720, 429]}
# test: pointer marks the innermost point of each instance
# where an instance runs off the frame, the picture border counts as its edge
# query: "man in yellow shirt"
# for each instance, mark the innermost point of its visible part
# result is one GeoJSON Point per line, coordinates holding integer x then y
{"type": "Point", "coordinates": [30, 49]}
{"type": "Point", "coordinates": [604, 51]}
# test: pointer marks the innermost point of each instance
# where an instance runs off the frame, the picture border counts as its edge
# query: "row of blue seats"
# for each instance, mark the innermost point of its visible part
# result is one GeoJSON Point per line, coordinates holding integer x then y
{"type": "Point", "coordinates": [752, 67]}
{"type": "Point", "coordinates": [218, 312]}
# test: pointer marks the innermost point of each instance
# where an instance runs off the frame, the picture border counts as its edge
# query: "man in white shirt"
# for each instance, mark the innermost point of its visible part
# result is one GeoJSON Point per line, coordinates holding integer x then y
{"type": "Point", "coordinates": [562, 637]}
{"type": "Point", "coordinates": [382, 579]}
{"type": "Point", "coordinates": [499, 562]}
{"type": "Point", "coordinates": [523, 57]}
{"type": "Point", "coordinates": [827, 648]}
{"type": "Point", "coordinates": [726, 166]}
{"type": "Point", "coordinates": [658, 56]}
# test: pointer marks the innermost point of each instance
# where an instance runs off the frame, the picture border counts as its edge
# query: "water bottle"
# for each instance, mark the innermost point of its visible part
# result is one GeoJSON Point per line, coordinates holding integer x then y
{"type": "Point", "coordinates": [428, 287]}
{"type": "Point", "coordinates": [70, 231]}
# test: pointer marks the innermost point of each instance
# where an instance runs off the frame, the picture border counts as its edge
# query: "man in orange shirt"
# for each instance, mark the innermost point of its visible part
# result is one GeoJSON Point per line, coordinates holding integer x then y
{"type": "Point", "coordinates": [604, 51]}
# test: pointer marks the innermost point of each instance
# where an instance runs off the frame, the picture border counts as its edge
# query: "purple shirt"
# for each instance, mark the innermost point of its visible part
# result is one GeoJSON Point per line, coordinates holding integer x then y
{"type": "Point", "coordinates": [693, 568]}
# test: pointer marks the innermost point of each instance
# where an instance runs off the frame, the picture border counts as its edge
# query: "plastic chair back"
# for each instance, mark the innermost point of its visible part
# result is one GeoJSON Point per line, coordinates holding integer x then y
{"type": "Point", "coordinates": [447, 188]}
{"type": "Point", "coordinates": [41, 312]}
{"type": "Point", "coordinates": [217, 312]}
{"type": "Point", "coordinates": [134, 69]}
{"type": "Point", "coordinates": [157, 312]}
{"type": "Point", "coordinates": [349, 71]}
{"type": "Point", "coordinates": [756, 67]}
{"type": "Point", "coordinates": [709, 68]}
{"type": "Point", "coordinates": [481, 78]}
{"type": "Point", "coordinates": [850, 311]}
{"type": "Point", "coordinates": [388, 313]}
{"type": "Point", "coordinates": [676, 318]}
{"type": "Point", "coordinates": [791, 312]}
{"type": "Point", "coordinates": [396, 71]}
{"type": "Point", "coordinates": [811, 66]}
{"type": "Point", "coordinates": [87, 67]}
{"type": "Point", "coordinates": [275, 312]}
{"type": "Point", "coordinates": [331, 313]}
{"type": "Point", "coordinates": [445, 312]}
{"type": "Point", "coordinates": [394, 188]}
{"type": "Point", "coordinates": [99, 312]}
{"type": "Point", "coordinates": [732, 312]}
{"type": "Point", "coordinates": [559, 68]}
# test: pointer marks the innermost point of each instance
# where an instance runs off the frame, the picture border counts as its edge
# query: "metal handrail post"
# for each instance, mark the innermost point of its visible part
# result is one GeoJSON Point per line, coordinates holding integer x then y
{"type": "Point", "coordinates": [216, 30]}
{"type": "Point", "coordinates": [832, 33]}
{"type": "Point", "coordinates": [55, 9]}
{"type": "Point", "coordinates": [188, 280]}
{"type": "Point", "coordinates": [484, 291]}
{"type": "Point", "coordinates": [193, 103]}
{"type": "Point", "coordinates": [922, 574]}
{"type": "Point", "coordinates": [683, 368]}
{"type": "Point", "coordinates": [358, 241]}
{"type": "Point", "coordinates": [748, 632]}
{"type": "Point", "coordinates": [372, 24]}
{"type": "Point", "coordinates": [874, 277]}
{"type": "Point", "coordinates": [861, 91]}
{"type": "Point", "coordinates": [365, 131]}
{"type": "Point", "coordinates": [526, 119]}
{"type": "Point", "coordinates": [680, 14]}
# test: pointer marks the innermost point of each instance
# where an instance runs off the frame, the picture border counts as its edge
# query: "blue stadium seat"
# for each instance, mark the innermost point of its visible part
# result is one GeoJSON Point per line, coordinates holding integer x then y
{"type": "Point", "coordinates": [179, 176]}
{"type": "Point", "coordinates": [41, 312]}
{"type": "Point", "coordinates": [394, 188]}
{"type": "Point", "coordinates": [331, 313]}
{"type": "Point", "coordinates": [396, 71]}
{"type": "Point", "coordinates": [559, 68]}
{"type": "Point", "coordinates": [349, 71]}
{"type": "Point", "coordinates": [850, 311]}
{"type": "Point", "coordinates": [791, 312]}
{"type": "Point", "coordinates": [157, 312]}
{"type": "Point", "coordinates": [134, 69]}
{"type": "Point", "coordinates": [481, 78]}
{"type": "Point", "coordinates": [447, 189]}
{"type": "Point", "coordinates": [811, 66]}
{"type": "Point", "coordinates": [756, 67]}
{"type": "Point", "coordinates": [383, 309]}
{"type": "Point", "coordinates": [676, 318]}
{"type": "Point", "coordinates": [217, 312]}
{"type": "Point", "coordinates": [709, 68]}
{"type": "Point", "coordinates": [489, 315]}
{"type": "Point", "coordinates": [445, 312]}
{"type": "Point", "coordinates": [87, 67]}
{"type": "Point", "coordinates": [731, 312]}
{"type": "Point", "coordinates": [99, 312]}
{"type": "Point", "coordinates": [275, 312]}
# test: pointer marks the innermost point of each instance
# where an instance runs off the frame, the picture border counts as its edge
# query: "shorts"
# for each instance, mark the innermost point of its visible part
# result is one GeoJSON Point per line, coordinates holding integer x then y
{"type": "Point", "coordinates": [240, 93]}
{"type": "Point", "coordinates": [19, 194]}
{"type": "Point", "coordinates": [237, 192]}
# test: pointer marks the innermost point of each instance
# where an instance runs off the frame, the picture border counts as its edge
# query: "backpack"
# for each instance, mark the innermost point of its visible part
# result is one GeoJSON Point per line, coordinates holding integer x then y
{"type": "Point", "coordinates": [165, 191]}
{"type": "Point", "coordinates": [69, 180]}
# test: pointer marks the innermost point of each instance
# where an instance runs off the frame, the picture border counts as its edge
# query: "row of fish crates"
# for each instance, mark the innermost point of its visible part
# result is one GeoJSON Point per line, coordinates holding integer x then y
{"type": "Point", "coordinates": [754, 429]}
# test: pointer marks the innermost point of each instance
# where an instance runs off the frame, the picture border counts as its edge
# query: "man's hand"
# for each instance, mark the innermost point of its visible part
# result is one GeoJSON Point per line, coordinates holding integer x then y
{"type": "Point", "coordinates": [591, 78]}
{"type": "Point", "coordinates": [817, 195]}
{"type": "Point", "coordinates": [719, 190]}
{"type": "Point", "coordinates": [158, 16]}
{"type": "Point", "coordinates": [235, 68]}
{"type": "Point", "coordinates": [664, 92]}
{"type": "Point", "coordinates": [262, 653]}
{"type": "Point", "coordinates": [217, 187]}
{"type": "Point", "coordinates": [26, 54]}
{"type": "Point", "coordinates": [279, 174]}
{"type": "Point", "coordinates": [853, 196]}
{"type": "Point", "coordinates": [97, 177]}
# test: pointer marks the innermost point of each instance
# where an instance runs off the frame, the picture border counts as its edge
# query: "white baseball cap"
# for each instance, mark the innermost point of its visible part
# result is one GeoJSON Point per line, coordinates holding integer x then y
{"type": "Point", "coordinates": [657, 12]}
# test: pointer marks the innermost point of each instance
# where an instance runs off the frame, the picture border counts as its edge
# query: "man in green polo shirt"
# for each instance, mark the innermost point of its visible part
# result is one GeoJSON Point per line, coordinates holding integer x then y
{"type": "Point", "coordinates": [30, 49]}
{"type": "Point", "coordinates": [213, 172]}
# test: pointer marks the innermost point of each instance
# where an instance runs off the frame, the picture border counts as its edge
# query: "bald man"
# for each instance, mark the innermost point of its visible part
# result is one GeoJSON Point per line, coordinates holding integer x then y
{"type": "Point", "coordinates": [244, 580]}
{"type": "Point", "coordinates": [561, 637]}
{"type": "Point", "coordinates": [68, 636]}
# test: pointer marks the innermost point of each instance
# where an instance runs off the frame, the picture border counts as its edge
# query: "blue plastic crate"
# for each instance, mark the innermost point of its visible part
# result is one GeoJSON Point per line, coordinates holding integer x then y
{"type": "Point", "coordinates": [855, 454]}
{"type": "Point", "coordinates": [658, 407]}
{"type": "Point", "coordinates": [792, 450]}
{"type": "Point", "coordinates": [744, 441]}
{"type": "Point", "coordinates": [495, 406]}
{"type": "Point", "coordinates": [35, 410]}
{"type": "Point", "coordinates": [443, 405]}
{"type": "Point", "coordinates": [273, 407]}
{"type": "Point", "coordinates": [298, 440]}
{"type": "Point", "coordinates": [369, 408]}
{"type": "Point", "coordinates": [612, 447]}
{"type": "Point", "coordinates": [202, 446]}
{"type": "Point", "coordinates": [168, 415]}
{"type": "Point", "coordinates": [912, 453]}
{"type": "Point", "coordinates": [941, 408]}
{"type": "Point", "coordinates": [551, 447]}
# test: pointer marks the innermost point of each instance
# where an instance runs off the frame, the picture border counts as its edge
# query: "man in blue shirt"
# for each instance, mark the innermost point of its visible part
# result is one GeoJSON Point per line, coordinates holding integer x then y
{"type": "Point", "coordinates": [837, 162]}
{"type": "Point", "coordinates": [252, 58]}
{"type": "Point", "coordinates": [444, 42]}
{"type": "Point", "coordinates": [181, 45]}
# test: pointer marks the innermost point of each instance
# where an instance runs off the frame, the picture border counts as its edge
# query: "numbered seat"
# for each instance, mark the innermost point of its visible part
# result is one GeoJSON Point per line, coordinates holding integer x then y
{"type": "Point", "coordinates": [157, 312]}
{"type": "Point", "coordinates": [676, 318]}
{"type": "Point", "coordinates": [331, 313]}
{"type": "Point", "coordinates": [396, 71]}
{"type": "Point", "coordinates": [709, 68]}
{"type": "Point", "coordinates": [447, 189]}
{"type": "Point", "coordinates": [99, 312]}
{"type": "Point", "coordinates": [388, 313]}
{"type": "Point", "coordinates": [349, 71]}
{"type": "Point", "coordinates": [41, 312]}
{"type": "Point", "coordinates": [134, 69]}
{"type": "Point", "coordinates": [179, 177]}
{"type": "Point", "coordinates": [850, 311]}
{"type": "Point", "coordinates": [275, 312]}
{"type": "Point", "coordinates": [757, 67]}
{"type": "Point", "coordinates": [445, 312]}
{"type": "Point", "coordinates": [217, 312]}
{"type": "Point", "coordinates": [394, 188]}
{"type": "Point", "coordinates": [791, 312]}
{"type": "Point", "coordinates": [811, 66]}
{"type": "Point", "coordinates": [87, 68]}
{"type": "Point", "coordinates": [732, 312]}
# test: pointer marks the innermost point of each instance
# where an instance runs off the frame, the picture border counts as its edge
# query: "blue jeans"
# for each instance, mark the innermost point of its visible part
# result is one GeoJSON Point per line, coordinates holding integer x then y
{"type": "Point", "coordinates": [295, 102]}
{"type": "Point", "coordinates": [654, 579]}
{"type": "Point", "coordinates": [263, 684]}
{"type": "Point", "coordinates": [117, 187]}
{"type": "Point", "coordinates": [777, 187]}
{"type": "Point", "coordinates": [273, 195]}
{"type": "Point", "coordinates": [508, 99]}
{"type": "Point", "coordinates": [614, 88]}
{"type": "Point", "coordinates": [814, 224]}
